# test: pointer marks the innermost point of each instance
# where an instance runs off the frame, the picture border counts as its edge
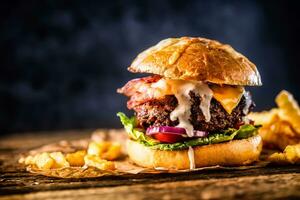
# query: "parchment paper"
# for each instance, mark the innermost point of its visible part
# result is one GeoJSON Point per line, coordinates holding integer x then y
{"type": "Point", "coordinates": [123, 165]}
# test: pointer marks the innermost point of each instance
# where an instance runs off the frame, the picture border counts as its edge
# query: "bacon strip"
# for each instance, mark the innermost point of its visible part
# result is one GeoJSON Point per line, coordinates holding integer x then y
{"type": "Point", "coordinates": [138, 85]}
{"type": "Point", "coordinates": [139, 90]}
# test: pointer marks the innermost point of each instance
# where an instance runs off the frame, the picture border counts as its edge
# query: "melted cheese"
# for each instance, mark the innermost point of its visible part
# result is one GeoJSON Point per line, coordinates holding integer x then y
{"type": "Point", "coordinates": [228, 96]}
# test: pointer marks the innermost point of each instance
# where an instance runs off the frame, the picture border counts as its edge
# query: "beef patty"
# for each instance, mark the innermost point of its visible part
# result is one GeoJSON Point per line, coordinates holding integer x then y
{"type": "Point", "coordinates": [156, 112]}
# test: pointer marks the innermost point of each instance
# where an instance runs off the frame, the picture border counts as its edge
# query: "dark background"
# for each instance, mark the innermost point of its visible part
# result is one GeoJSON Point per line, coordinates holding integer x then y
{"type": "Point", "coordinates": [61, 61]}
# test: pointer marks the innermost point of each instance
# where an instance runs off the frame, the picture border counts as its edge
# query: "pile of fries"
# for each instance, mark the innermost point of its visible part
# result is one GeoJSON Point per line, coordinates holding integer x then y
{"type": "Point", "coordinates": [99, 155]}
{"type": "Point", "coordinates": [281, 128]}
{"type": "Point", "coordinates": [290, 155]}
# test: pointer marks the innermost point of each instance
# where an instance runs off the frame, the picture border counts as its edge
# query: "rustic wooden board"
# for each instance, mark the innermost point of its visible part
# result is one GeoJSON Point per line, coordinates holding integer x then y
{"type": "Point", "coordinates": [16, 183]}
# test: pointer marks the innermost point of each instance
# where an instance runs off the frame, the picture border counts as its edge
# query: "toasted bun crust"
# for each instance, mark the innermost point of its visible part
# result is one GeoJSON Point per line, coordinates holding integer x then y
{"type": "Point", "coordinates": [197, 59]}
{"type": "Point", "coordinates": [233, 153]}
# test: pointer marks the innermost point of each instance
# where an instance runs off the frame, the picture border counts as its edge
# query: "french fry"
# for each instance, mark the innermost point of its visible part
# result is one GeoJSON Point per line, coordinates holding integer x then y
{"type": "Point", "coordinates": [76, 159]}
{"type": "Point", "coordinates": [96, 161]}
{"type": "Point", "coordinates": [29, 160]}
{"type": "Point", "coordinates": [60, 160]}
{"type": "Point", "coordinates": [105, 150]}
{"type": "Point", "coordinates": [278, 158]}
{"type": "Point", "coordinates": [289, 109]}
{"type": "Point", "coordinates": [280, 125]}
{"type": "Point", "coordinates": [293, 153]}
{"type": "Point", "coordinates": [113, 152]}
{"type": "Point", "coordinates": [44, 161]}
{"type": "Point", "coordinates": [264, 118]}
{"type": "Point", "coordinates": [285, 128]}
{"type": "Point", "coordinates": [98, 148]}
{"type": "Point", "coordinates": [290, 155]}
{"type": "Point", "coordinates": [273, 137]}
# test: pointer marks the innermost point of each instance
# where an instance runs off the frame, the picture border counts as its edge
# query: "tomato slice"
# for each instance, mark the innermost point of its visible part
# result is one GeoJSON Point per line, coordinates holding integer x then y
{"type": "Point", "coordinates": [167, 137]}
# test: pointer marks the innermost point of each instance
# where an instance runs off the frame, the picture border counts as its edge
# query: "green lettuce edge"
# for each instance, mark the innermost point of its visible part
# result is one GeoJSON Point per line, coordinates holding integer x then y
{"type": "Point", "coordinates": [136, 134]}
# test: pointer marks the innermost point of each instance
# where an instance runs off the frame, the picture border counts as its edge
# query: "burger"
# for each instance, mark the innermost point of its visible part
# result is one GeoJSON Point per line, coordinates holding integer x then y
{"type": "Point", "coordinates": [190, 110]}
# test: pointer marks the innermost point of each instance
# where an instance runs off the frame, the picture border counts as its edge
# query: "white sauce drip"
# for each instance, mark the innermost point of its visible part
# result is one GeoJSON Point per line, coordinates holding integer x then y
{"type": "Point", "coordinates": [183, 110]}
{"type": "Point", "coordinates": [206, 95]}
{"type": "Point", "coordinates": [248, 103]}
{"type": "Point", "coordinates": [181, 90]}
{"type": "Point", "coordinates": [191, 156]}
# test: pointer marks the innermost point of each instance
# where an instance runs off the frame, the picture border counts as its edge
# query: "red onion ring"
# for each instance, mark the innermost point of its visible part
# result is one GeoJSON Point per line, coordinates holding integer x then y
{"type": "Point", "coordinates": [165, 129]}
{"type": "Point", "coordinates": [200, 134]}
{"type": "Point", "coordinates": [173, 130]}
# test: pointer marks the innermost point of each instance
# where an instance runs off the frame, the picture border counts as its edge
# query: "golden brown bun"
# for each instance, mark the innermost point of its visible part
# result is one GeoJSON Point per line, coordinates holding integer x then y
{"type": "Point", "coordinates": [197, 59]}
{"type": "Point", "coordinates": [233, 153]}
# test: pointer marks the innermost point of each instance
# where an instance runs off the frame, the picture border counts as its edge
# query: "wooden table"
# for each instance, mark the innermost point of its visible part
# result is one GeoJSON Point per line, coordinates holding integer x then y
{"type": "Point", "coordinates": [16, 183]}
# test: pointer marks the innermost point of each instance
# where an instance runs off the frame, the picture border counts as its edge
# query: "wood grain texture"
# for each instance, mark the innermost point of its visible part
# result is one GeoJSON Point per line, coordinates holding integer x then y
{"type": "Point", "coordinates": [270, 187]}
{"type": "Point", "coordinates": [15, 183]}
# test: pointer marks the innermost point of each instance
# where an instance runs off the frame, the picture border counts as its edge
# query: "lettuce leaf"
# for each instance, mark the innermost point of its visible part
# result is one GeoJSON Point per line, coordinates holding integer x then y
{"type": "Point", "coordinates": [244, 132]}
{"type": "Point", "coordinates": [129, 124]}
{"type": "Point", "coordinates": [133, 132]}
